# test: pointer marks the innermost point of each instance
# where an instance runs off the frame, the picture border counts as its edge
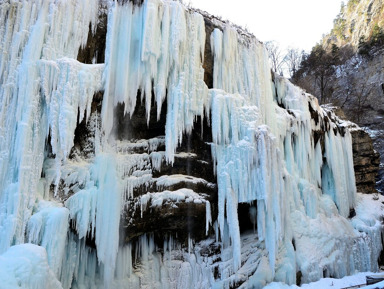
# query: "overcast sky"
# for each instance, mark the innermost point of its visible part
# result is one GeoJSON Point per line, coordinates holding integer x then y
{"type": "Point", "coordinates": [294, 23]}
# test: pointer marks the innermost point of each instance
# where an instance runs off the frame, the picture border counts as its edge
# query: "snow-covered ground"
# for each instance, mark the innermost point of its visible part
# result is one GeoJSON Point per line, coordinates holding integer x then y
{"type": "Point", "coordinates": [331, 283]}
{"type": "Point", "coordinates": [16, 272]}
{"type": "Point", "coordinates": [26, 266]}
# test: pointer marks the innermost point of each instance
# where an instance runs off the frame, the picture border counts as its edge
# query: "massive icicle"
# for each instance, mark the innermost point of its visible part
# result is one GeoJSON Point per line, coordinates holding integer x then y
{"type": "Point", "coordinates": [156, 48]}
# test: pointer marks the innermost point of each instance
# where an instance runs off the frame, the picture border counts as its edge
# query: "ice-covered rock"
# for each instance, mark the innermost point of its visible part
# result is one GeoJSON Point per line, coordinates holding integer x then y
{"type": "Point", "coordinates": [26, 266]}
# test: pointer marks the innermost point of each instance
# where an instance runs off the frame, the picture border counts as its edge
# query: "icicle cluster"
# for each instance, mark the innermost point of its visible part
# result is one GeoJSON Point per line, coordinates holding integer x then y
{"type": "Point", "coordinates": [157, 48]}
{"type": "Point", "coordinates": [40, 94]}
{"type": "Point", "coordinates": [267, 154]}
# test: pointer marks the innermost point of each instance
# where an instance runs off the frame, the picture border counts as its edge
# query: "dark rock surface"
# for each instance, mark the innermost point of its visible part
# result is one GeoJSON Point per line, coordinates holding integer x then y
{"type": "Point", "coordinates": [183, 219]}
{"type": "Point", "coordinates": [94, 50]}
{"type": "Point", "coordinates": [366, 161]}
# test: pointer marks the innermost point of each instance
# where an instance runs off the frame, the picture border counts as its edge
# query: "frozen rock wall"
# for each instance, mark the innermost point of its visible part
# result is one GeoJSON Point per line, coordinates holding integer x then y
{"type": "Point", "coordinates": [169, 157]}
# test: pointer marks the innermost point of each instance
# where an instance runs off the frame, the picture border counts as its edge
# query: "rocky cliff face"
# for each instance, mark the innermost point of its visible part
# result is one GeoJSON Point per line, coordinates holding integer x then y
{"type": "Point", "coordinates": [154, 148]}
{"type": "Point", "coordinates": [360, 23]}
{"type": "Point", "coordinates": [366, 75]}
{"type": "Point", "coordinates": [366, 162]}
{"type": "Point", "coordinates": [356, 22]}
{"type": "Point", "coordinates": [366, 159]}
{"type": "Point", "coordinates": [356, 82]}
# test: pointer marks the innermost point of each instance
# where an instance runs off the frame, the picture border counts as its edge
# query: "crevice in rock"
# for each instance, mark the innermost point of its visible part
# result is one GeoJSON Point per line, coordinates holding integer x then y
{"type": "Point", "coordinates": [247, 213]}
{"type": "Point", "coordinates": [94, 50]}
{"type": "Point", "coordinates": [128, 127]}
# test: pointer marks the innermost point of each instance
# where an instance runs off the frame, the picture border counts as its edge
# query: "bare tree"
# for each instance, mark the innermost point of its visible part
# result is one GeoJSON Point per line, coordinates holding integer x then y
{"type": "Point", "coordinates": [356, 97]}
{"type": "Point", "coordinates": [276, 56]}
{"type": "Point", "coordinates": [319, 65]}
{"type": "Point", "coordinates": [362, 94]}
{"type": "Point", "coordinates": [346, 90]}
{"type": "Point", "coordinates": [293, 59]}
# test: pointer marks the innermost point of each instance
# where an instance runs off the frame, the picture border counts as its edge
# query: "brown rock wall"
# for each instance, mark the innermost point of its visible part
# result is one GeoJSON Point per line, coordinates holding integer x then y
{"type": "Point", "coordinates": [366, 161]}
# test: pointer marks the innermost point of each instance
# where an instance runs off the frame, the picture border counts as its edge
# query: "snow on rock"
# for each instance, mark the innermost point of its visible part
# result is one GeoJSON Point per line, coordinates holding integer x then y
{"type": "Point", "coordinates": [166, 181]}
{"type": "Point", "coordinates": [374, 286]}
{"type": "Point", "coordinates": [353, 281]}
{"type": "Point", "coordinates": [156, 199]}
{"type": "Point", "coordinates": [26, 266]}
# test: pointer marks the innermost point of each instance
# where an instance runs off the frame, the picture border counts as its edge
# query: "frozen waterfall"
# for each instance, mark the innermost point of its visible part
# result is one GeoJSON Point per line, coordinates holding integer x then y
{"type": "Point", "coordinates": [273, 149]}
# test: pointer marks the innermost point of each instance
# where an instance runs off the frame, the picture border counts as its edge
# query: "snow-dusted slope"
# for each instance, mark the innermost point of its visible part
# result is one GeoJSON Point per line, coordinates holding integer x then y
{"type": "Point", "coordinates": [272, 148]}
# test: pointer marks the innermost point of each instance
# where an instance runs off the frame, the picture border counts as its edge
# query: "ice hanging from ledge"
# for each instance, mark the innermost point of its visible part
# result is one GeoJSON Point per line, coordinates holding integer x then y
{"type": "Point", "coordinates": [157, 48]}
{"type": "Point", "coordinates": [266, 153]}
{"type": "Point", "coordinates": [244, 148]}
{"type": "Point", "coordinates": [39, 94]}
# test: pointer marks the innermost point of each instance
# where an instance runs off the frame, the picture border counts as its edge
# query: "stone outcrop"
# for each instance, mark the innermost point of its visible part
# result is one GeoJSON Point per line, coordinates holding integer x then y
{"type": "Point", "coordinates": [366, 161]}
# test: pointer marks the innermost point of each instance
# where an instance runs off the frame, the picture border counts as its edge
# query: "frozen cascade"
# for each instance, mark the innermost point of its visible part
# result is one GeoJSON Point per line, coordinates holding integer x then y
{"type": "Point", "coordinates": [245, 152]}
{"type": "Point", "coordinates": [241, 66]}
{"type": "Point", "coordinates": [39, 94]}
{"type": "Point", "coordinates": [273, 147]}
{"type": "Point", "coordinates": [158, 43]}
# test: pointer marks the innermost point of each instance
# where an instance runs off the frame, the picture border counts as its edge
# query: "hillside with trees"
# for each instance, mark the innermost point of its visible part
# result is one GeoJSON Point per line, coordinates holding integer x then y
{"type": "Point", "coordinates": [346, 68]}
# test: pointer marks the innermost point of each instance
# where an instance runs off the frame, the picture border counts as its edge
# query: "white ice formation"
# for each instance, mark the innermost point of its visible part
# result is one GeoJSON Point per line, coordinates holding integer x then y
{"type": "Point", "coordinates": [273, 147]}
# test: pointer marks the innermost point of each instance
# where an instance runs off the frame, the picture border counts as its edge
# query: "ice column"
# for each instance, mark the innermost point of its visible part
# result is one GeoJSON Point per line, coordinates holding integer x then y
{"type": "Point", "coordinates": [246, 152]}
{"type": "Point", "coordinates": [241, 66]}
{"type": "Point", "coordinates": [96, 210]}
{"type": "Point", "coordinates": [248, 169]}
